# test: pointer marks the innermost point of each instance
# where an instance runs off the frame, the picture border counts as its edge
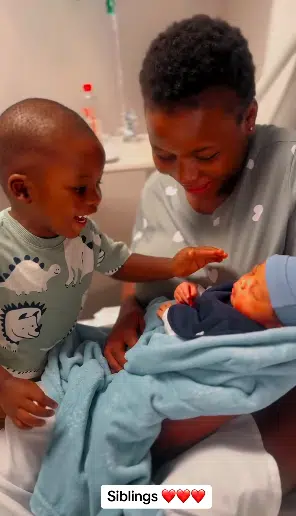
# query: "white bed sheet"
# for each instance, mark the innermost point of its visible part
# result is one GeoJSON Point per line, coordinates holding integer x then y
{"type": "Point", "coordinates": [21, 455]}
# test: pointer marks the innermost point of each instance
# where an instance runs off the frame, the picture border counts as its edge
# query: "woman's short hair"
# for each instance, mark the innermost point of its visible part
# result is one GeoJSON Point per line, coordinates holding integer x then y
{"type": "Point", "coordinates": [192, 56]}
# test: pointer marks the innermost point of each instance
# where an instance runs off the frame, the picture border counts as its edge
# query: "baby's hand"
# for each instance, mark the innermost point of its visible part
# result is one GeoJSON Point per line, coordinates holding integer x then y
{"type": "Point", "coordinates": [191, 259]}
{"type": "Point", "coordinates": [22, 400]}
{"type": "Point", "coordinates": [186, 293]}
{"type": "Point", "coordinates": [163, 308]}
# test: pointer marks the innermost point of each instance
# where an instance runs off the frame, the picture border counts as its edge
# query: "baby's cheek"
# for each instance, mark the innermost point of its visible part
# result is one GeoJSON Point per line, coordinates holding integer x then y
{"type": "Point", "coordinates": [261, 314]}
{"type": "Point", "coordinates": [237, 301]}
{"type": "Point", "coordinates": [243, 306]}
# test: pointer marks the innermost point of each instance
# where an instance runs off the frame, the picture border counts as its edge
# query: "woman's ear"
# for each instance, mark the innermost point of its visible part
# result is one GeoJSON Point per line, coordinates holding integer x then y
{"type": "Point", "coordinates": [250, 118]}
{"type": "Point", "coordinates": [19, 188]}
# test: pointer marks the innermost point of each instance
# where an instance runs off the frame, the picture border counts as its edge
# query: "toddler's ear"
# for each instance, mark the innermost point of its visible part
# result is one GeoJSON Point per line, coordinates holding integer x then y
{"type": "Point", "coordinates": [18, 188]}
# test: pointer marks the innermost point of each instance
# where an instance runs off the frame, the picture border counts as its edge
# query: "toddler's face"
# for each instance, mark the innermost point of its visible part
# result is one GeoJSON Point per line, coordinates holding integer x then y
{"type": "Point", "coordinates": [69, 188]}
{"type": "Point", "coordinates": [250, 297]}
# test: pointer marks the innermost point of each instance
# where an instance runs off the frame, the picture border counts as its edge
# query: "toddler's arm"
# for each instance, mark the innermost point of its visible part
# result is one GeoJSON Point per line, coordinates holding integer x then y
{"type": "Point", "coordinates": [114, 259]}
{"type": "Point", "coordinates": [139, 268]}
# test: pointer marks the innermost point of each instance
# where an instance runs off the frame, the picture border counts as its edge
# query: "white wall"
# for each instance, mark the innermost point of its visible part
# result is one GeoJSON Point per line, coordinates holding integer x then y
{"type": "Point", "coordinates": [253, 18]}
{"type": "Point", "coordinates": [280, 35]}
{"type": "Point", "coordinates": [51, 47]}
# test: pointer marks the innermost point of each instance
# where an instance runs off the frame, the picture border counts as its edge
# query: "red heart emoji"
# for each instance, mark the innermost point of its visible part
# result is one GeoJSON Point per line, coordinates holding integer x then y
{"type": "Point", "coordinates": [168, 495]}
{"type": "Point", "coordinates": [183, 495]}
{"type": "Point", "coordinates": [198, 495]}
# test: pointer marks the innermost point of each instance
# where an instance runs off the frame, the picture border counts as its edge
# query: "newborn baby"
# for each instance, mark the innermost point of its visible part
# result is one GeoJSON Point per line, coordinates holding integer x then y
{"type": "Point", "coordinates": [263, 298]}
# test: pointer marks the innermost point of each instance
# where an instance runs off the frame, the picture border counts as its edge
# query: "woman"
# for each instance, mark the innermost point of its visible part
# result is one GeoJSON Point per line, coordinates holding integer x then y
{"type": "Point", "coordinates": [221, 181]}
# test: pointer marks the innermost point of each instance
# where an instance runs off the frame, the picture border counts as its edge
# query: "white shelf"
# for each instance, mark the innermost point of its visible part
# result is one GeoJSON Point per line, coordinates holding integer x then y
{"type": "Point", "coordinates": [133, 155]}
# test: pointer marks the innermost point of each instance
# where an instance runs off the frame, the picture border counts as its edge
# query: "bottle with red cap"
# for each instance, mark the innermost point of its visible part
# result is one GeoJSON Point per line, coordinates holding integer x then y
{"type": "Point", "coordinates": [89, 108]}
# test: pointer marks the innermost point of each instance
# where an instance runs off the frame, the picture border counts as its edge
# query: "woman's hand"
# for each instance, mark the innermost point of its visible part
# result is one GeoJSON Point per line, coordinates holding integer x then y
{"type": "Point", "coordinates": [177, 436]}
{"type": "Point", "coordinates": [125, 334]}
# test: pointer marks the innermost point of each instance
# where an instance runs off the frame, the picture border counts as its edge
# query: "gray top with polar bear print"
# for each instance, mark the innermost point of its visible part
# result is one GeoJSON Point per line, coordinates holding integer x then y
{"type": "Point", "coordinates": [43, 285]}
{"type": "Point", "coordinates": [256, 221]}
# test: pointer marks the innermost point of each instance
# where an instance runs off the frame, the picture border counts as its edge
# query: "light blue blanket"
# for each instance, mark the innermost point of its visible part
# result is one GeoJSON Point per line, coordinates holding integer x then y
{"type": "Point", "coordinates": [106, 423]}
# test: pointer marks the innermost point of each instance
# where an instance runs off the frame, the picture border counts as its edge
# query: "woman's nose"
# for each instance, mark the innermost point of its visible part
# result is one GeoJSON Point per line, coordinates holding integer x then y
{"type": "Point", "coordinates": [187, 172]}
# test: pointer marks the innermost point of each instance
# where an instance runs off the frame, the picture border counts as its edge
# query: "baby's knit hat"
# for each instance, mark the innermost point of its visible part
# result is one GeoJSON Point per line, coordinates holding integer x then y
{"type": "Point", "coordinates": [281, 284]}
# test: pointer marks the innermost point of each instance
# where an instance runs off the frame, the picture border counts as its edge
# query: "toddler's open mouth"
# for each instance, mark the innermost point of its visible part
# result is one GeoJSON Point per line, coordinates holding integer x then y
{"type": "Point", "coordinates": [81, 219]}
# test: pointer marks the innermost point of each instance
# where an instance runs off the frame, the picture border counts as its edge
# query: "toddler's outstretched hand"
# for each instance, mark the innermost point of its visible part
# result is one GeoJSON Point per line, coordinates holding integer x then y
{"type": "Point", "coordinates": [186, 293]}
{"type": "Point", "coordinates": [191, 259]}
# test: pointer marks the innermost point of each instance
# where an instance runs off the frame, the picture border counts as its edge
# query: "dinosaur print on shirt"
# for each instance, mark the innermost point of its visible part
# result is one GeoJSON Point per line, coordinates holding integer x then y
{"type": "Point", "coordinates": [38, 307]}
{"type": "Point", "coordinates": [28, 276]}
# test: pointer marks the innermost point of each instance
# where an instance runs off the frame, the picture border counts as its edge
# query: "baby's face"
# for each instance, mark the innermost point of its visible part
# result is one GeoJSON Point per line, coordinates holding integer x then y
{"type": "Point", "coordinates": [250, 297]}
{"type": "Point", "coordinates": [69, 189]}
